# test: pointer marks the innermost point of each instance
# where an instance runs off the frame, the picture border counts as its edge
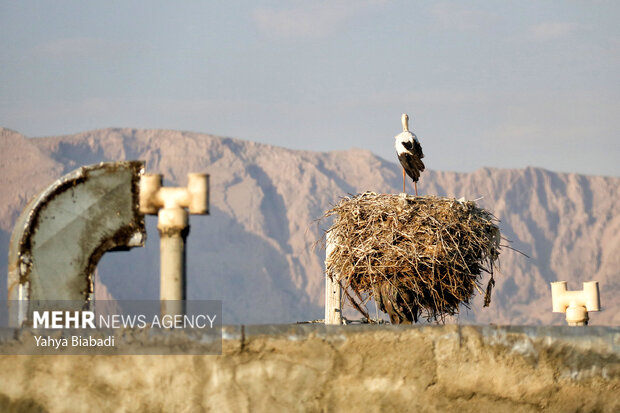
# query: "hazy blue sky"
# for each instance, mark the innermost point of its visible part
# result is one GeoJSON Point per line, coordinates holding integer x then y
{"type": "Point", "coordinates": [486, 83]}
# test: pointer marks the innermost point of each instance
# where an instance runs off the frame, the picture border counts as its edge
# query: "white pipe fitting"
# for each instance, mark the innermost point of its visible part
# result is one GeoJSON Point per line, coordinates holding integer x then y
{"type": "Point", "coordinates": [169, 204]}
{"type": "Point", "coordinates": [195, 196]}
{"type": "Point", "coordinates": [576, 304]}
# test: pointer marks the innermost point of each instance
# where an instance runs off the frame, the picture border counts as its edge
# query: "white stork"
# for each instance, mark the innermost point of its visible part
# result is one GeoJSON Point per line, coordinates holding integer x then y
{"type": "Point", "coordinates": [409, 153]}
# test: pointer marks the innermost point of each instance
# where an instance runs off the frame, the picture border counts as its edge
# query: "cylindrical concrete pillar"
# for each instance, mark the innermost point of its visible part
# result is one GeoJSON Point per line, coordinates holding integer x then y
{"type": "Point", "coordinates": [169, 204]}
{"type": "Point", "coordinates": [333, 292]}
{"type": "Point", "coordinates": [173, 231]}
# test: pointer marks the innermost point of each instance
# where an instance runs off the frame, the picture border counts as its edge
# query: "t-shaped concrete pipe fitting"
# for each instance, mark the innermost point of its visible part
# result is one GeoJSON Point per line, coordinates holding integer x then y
{"type": "Point", "coordinates": [576, 304]}
{"type": "Point", "coordinates": [195, 196]}
{"type": "Point", "coordinates": [169, 204]}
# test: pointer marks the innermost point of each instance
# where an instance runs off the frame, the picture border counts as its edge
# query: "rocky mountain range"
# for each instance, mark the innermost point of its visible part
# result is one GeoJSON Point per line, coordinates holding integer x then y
{"type": "Point", "coordinates": [255, 251]}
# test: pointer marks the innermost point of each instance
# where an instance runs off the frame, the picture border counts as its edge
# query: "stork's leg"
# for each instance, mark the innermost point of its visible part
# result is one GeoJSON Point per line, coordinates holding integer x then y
{"type": "Point", "coordinates": [403, 180]}
{"type": "Point", "coordinates": [415, 185]}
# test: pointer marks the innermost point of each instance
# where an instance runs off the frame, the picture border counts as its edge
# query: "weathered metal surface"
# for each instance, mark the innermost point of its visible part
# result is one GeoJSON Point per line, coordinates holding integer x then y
{"type": "Point", "coordinates": [64, 230]}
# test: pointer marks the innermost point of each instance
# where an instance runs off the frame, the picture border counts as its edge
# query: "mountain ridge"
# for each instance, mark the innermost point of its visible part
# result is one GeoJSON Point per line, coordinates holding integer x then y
{"type": "Point", "coordinates": [265, 200]}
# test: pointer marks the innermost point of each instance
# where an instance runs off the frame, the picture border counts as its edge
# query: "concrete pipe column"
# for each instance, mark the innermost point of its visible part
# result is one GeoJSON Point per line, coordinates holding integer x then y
{"type": "Point", "coordinates": [169, 204]}
{"type": "Point", "coordinates": [173, 230]}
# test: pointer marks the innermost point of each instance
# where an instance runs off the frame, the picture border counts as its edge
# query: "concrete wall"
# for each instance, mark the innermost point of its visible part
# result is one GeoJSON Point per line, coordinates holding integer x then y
{"type": "Point", "coordinates": [338, 369]}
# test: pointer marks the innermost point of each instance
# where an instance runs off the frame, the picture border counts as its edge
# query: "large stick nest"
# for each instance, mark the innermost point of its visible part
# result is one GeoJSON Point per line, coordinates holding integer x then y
{"type": "Point", "coordinates": [413, 255]}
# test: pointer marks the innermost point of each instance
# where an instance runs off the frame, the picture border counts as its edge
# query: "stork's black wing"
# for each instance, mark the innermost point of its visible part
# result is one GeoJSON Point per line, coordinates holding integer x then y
{"type": "Point", "coordinates": [417, 150]}
{"type": "Point", "coordinates": [414, 147]}
{"type": "Point", "coordinates": [412, 161]}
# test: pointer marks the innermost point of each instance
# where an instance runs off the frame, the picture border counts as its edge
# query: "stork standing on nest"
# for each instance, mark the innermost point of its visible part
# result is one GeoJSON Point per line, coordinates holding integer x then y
{"type": "Point", "coordinates": [409, 153]}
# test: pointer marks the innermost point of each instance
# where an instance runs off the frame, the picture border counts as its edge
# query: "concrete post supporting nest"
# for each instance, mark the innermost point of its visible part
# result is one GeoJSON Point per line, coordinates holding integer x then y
{"type": "Point", "coordinates": [169, 204]}
{"type": "Point", "coordinates": [575, 304]}
{"type": "Point", "coordinates": [333, 293]}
